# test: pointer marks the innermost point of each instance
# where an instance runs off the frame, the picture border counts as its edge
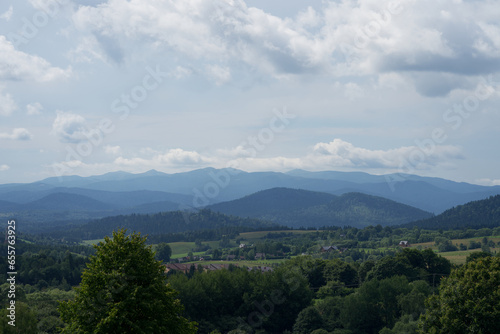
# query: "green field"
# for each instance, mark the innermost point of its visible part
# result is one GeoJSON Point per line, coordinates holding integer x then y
{"type": "Point", "coordinates": [92, 242]}
{"type": "Point", "coordinates": [460, 256]}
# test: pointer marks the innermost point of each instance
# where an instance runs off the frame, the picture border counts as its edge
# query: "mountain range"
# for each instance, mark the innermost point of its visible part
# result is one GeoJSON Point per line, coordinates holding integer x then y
{"type": "Point", "coordinates": [76, 197]}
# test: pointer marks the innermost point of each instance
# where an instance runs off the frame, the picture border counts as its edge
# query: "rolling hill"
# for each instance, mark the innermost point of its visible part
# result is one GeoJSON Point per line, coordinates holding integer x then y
{"type": "Point", "coordinates": [476, 214]}
{"type": "Point", "coordinates": [123, 193]}
{"type": "Point", "coordinates": [301, 208]}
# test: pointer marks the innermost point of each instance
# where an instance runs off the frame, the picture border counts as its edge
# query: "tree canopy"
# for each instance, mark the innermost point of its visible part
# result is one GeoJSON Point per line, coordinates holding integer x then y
{"type": "Point", "coordinates": [123, 290]}
{"type": "Point", "coordinates": [468, 301]}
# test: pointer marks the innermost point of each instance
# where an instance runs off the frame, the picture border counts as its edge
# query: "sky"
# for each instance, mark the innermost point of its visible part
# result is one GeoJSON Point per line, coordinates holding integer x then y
{"type": "Point", "coordinates": [89, 87]}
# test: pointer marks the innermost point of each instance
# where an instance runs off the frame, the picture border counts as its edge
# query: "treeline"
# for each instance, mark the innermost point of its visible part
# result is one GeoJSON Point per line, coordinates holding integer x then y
{"type": "Point", "coordinates": [306, 294]}
{"type": "Point", "coordinates": [163, 223]}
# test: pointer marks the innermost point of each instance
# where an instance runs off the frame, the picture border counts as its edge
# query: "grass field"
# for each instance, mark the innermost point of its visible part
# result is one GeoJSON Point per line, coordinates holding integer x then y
{"type": "Point", "coordinates": [92, 242]}
{"type": "Point", "coordinates": [459, 257]}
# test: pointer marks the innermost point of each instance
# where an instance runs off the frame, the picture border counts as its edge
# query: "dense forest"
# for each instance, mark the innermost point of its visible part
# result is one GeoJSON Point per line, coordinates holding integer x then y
{"type": "Point", "coordinates": [368, 285]}
{"type": "Point", "coordinates": [476, 214]}
{"type": "Point", "coordinates": [300, 208]}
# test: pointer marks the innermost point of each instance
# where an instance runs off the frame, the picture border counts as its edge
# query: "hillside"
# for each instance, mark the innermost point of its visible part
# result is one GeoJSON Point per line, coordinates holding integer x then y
{"type": "Point", "coordinates": [275, 200]}
{"type": "Point", "coordinates": [68, 202]}
{"type": "Point", "coordinates": [301, 208]}
{"type": "Point", "coordinates": [476, 214]}
{"type": "Point", "coordinates": [40, 204]}
{"type": "Point", "coordinates": [162, 223]}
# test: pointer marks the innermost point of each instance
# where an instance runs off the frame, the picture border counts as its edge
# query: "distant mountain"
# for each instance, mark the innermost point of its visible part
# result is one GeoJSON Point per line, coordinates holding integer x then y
{"type": "Point", "coordinates": [296, 208]}
{"type": "Point", "coordinates": [162, 223]}
{"type": "Point", "coordinates": [476, 214]}
{"type": "Point", "coordinates": [68, 202]}
{"type": "Point", "coordinates": [272, 201]}
{"type": "Point", "coordinates": [151, 191]}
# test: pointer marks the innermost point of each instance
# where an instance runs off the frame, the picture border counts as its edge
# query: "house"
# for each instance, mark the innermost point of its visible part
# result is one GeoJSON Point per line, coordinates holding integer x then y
{"type": "Point", "coordinates": [260, 255]}
{"type": "Point", "coordinates": [326, 249]}
{"type": "Point", "coordinates": [404, 243]}
{"type": "Point", "coordinates": [243, 245]}
{"type": "Point", "coordinates": [177, 267]}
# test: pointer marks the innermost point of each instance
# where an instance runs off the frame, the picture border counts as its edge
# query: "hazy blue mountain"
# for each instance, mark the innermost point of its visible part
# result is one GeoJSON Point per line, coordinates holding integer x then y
{"type": "Point", "coordinates": [208, 186]}
{"type": "Point", "coordinates": [6, 206]}
{"type": "Point", "coordinates": [67, 202]}
{"type": "Point", "coordinates": [296, 208]}
{"type": "Point", "coordinates": [475, 214]}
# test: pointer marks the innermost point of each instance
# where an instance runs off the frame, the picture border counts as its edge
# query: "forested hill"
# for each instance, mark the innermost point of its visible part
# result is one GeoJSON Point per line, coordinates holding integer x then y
{"type": "Point", "coordinates": [476, 214]}
{"type": "Point", "coordinates": [163, 223]}
{"type": "Point", "coordinates": [273, 201]}
{"type": "Point", "coordinates": [301, 208]}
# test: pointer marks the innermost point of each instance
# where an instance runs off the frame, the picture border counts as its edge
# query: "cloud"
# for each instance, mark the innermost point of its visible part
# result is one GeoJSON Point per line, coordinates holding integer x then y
{"type": "Point", "coordinates": [17, 134]}
{"type": "Point", "coordinates": [348, 38]}
{"type": "Point", "coordinates": [17, 65]}
{"type": "Point", "coordinates": [7, 15]}
{"type": "Point", "coordinates": [172, 158]}
{"type": "Point", "coordinates": [339, 153]}
{"type": "Point", "coordinates": [69, 127]}
{"type": "Point", "coordinates": [34, 108]}
{"type": "Point", "coordinates": [112, 150]}
{"type": "Point", "coordinates": [7, 104]}
{"type": "Point", "coordinates": [219, 74]}
{"type": "Point", "coordinates": [3, 168]}
{"type": "Point", "coordinates": [489, 182]}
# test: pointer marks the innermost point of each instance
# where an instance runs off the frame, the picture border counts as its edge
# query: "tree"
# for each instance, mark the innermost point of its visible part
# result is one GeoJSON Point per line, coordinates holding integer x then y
{"type": "Point", "coordinates": [123, 290]}
{"type": "Point", "coordinates": [307, 321]}
{"type": "Point", "coordinates": [25, 320]}
{"type": "Point", "coordinates": [163, 252]}
{"type": "Point", "coordinates": [468, 301]}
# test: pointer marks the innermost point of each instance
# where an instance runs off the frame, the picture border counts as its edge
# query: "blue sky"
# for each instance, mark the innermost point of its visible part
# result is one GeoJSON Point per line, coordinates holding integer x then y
{"type": "Point", "coordinates": [89, 87]}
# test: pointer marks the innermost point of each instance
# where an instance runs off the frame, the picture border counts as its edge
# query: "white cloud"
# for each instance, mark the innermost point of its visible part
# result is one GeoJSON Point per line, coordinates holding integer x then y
{"type": "Point", "coordinates": [17, 65]}
{"type": "Point", "coordinates": [3, 168]}
{"type": "Point", "coordinates": [112, 150]}
{"type": "Point", "coordinates": [339, 153]}
{"type": "Point", "coordinates": [219, 74]}
{"type": "Point", "coordinates": [69, 127]}
{"type": "Point", "coordinates": [7, 15]}
{"type": "Point", "coordinates": [355, 38]}
{"type": "Point", "coordinates": [489, 182]}
{"type": "Point", "coordinates": [181, 72]}
{"type": "Point", "coordinates": [7, 104]}
{"type": "Point", "coordinates": [172, 158]}
{"type": "Point", "coordinates": [17, 134]}
{"type": "Point", "coordinates": [34, 108]}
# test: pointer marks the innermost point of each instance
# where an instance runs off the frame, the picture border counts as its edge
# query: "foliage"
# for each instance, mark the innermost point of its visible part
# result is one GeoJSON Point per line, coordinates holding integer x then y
{"type": "Point", "coordinates": [296, 208]}
{"type": "Point", "coordinates": [476, 214]}
{"type": "Point", "coordinates": [123, 291]}
{"type": "Point", "coordinates": [163, 223]}
{"type": "Point", "coordinates": [468, 301]}
{"type": "Point", "coordinates": [163, 252]}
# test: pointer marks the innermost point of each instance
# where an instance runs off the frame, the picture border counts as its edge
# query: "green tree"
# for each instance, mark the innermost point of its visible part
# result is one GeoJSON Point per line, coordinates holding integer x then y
{"type": "Point", "coordinates": [163, 252]}
{"type": "Point", "coordinates": [25, 320]}
{"type": "Point", "coordinates": [468, 301]}
{"type": "Point", "coordinates": [307, 321]}
{"type": "Point", "coordinates": [123, 290]}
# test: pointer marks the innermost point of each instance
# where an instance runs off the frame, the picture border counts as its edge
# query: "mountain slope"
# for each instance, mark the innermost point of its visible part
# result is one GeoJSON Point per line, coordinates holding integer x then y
{"type": "Point", "coordinates": [67, 202]}
{"type": "Point", "coordinates": [476, 214]}
{"type": "Point", "coordinates": [273, 200]}
{"type": "Point", "coordinates": [162, 223]}
{"type": "Point", "coordinates": [208, 186]}
{"type": "Point", "coordinates": [296, 208]}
